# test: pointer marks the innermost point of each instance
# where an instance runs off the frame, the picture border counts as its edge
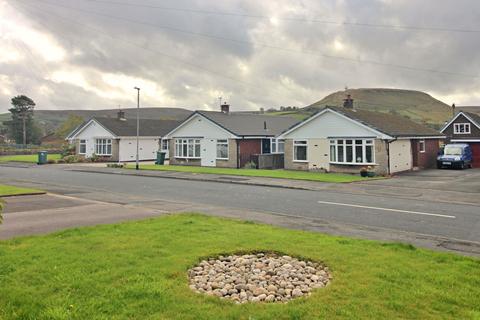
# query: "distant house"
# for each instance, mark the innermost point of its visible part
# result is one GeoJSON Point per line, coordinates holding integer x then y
{"type": "Point", "coordinates": [224, 139]}
{"type": "Point", "coordinates": [342, 139]}
{"type": "Point", "coordinates": [464, 127]}
{"type": "Point", "coordinates": [114, 139]}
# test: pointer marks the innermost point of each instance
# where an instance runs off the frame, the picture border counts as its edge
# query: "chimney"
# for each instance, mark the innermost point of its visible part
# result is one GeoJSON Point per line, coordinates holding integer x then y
{"type": "Point", "coordinates": [121, 115]}
{"type": "Point", "coordinates": [348, 102]}
{"type": "Point", "coordinates": [225, 108]}
{"type": "Point", "coordinates": [265, 125]}
{"type": "Point", "coordinates": [453, 109]}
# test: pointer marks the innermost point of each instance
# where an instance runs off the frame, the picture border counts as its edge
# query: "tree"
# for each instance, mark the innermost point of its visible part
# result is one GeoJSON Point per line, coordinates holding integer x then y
{"type": "Point", "coordinates": [21, 125]}
{"type": "Point", "coordinates": [68, 125]}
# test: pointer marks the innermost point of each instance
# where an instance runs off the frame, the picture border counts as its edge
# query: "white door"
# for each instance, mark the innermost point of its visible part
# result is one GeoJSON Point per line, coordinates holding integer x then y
{"type": "Point", "coordinates": [208, 152]}
{"type": "Point", "coordinates": [319, 154]}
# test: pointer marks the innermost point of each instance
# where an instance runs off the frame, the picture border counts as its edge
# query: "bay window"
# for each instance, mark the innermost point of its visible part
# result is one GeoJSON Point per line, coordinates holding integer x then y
{"type": "Point", "coordinates": [187, 148]}
{"type": "Point", "coordinates": [82, 146]}
{"type": "Point", "coordinates": [103, 147]}
{"type": "Point", "coordinates": [222, 149]}
{"type": "Point", "coordinates": [300, 150]}
{"type": "Point", "coordinates": [352, 151]}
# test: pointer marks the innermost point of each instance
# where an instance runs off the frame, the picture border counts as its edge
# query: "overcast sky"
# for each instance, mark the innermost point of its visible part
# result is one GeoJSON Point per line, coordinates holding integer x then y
{"type": "Point", "coordinates": [89, 54]}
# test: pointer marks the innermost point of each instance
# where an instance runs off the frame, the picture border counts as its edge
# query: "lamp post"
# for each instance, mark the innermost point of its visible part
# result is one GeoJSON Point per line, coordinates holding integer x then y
{"type": "Point", "coordinates": [138, 125]}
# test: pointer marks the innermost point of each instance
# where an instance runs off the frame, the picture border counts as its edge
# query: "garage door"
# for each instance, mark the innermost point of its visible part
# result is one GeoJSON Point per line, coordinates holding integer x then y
{"type": "Point", "coordinates": [476, 154]}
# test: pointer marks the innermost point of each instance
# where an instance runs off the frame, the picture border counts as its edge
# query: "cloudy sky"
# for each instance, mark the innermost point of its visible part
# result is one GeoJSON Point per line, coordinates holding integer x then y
{"type": "Point", "coordinates": [89, 54]}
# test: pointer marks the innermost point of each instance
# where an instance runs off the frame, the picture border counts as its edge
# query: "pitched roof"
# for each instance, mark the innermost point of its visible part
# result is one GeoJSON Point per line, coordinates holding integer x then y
{"type": "Point", "coordinates": [128, 127]}
{"type": "Point", "coordinates": [241, 124]}
{"type": "Point", "coordinates": [474, 117]}
{"type": "Point", "coordinates": [391, 125]}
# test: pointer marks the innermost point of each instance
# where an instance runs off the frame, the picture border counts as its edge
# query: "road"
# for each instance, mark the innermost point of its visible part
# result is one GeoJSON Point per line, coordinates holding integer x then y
{"type": "Point", "coordinates": [380, 214]}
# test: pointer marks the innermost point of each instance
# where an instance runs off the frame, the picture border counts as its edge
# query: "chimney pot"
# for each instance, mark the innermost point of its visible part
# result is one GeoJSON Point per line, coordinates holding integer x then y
{"type": "Point", "coordinates": [121, 115]}
{"type": "Point", "coordinates": [348, 102]}
{"type": "Point", "coordinates": [225, 108]}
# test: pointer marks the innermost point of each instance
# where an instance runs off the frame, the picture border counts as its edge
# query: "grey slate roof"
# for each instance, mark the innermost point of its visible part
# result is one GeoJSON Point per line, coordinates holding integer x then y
{"type": "Point", "coordinates": [245, 125]}
{"type": "Point", "coordinates": [475, 117]}
{"type": "Point", "coordinates": [128, 127]}
{"type": "Point", "coordinates": [392, 125]}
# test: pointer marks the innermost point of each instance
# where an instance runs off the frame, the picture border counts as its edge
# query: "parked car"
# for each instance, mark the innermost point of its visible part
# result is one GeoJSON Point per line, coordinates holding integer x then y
{"type": "Point", "coordinates": [457, 155]}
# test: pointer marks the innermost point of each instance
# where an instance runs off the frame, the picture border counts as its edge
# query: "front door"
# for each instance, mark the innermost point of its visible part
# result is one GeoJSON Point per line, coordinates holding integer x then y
{"type": "Point", "coordinates": [266, 146]}
{"type": "Point", "coordinates": [208, 153]}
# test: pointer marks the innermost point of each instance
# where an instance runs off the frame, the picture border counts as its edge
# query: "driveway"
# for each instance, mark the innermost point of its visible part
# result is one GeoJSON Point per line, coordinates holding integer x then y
{"type": "Point", "coordinates": [466, 181]}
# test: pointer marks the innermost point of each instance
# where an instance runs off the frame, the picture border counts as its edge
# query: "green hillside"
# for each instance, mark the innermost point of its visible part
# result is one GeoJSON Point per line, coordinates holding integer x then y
{"type": "Point", "coordinates": [416, 105]}
{"type": "Point", "coordinates": [50, 120]}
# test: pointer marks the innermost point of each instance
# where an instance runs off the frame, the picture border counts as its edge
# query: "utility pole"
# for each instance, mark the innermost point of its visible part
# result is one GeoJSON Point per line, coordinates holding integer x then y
{"type": "Point", "coordinates": [138, 126]}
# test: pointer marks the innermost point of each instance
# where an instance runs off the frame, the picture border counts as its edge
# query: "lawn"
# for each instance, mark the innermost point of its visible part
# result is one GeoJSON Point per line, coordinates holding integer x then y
{"type": "Point", "coordinates": [137, 270]}
{"type": "Point", "coordinates": [15, 191]}
{"type": "Point", "coordinates": [31, 158]}
{"type": "Point", "coordinates": [282, 174]}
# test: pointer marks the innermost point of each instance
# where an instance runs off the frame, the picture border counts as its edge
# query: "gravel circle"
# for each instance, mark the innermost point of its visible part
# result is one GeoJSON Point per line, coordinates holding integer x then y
{"type": "Point", "coordinates": [266, 277]}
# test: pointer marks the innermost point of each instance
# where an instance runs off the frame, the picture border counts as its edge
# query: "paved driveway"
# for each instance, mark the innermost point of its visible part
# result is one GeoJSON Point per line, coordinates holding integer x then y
{"type": "Point", "coordinates": [467, 181]}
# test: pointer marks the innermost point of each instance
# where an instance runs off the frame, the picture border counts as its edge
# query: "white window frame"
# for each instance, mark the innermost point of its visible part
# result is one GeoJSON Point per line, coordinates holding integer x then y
{"type": "Point", "coordinates": [365, 143]}
{"type": "Point", "coordinates": [421, 146]}
{"type": "Point", "coordinates": [457, 128]}
{"type": "Point", "coordinates": [222, 142]}
{"type": "Point", "coordinates": [101, 149]}
{"type": "Point", "coordinates": [300, 143]}
{"type": "Point", "coordinates": [275, 143]}
{"type": "Point", "coordinates": [188, 142]}
{"type": "Point", "coordinates": [80, 144]}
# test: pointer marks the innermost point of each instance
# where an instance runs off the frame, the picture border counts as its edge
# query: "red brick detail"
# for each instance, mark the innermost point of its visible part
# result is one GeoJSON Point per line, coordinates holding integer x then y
{"type": "Point", "coordinates": [427, 159]}
{"type": "Point", "coordinates": [247, 148]}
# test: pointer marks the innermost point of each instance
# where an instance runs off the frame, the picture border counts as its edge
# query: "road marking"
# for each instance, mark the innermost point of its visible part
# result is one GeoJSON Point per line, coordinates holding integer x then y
{"type": "Point", "coordinates": [388, 209]}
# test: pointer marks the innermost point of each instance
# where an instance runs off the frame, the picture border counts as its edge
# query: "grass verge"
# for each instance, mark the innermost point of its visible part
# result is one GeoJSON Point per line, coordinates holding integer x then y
{"type": "Point", "coordinates": [30, 158]}
{"type": "Point", "coordinates": [138, 270]}
{"type": "Point", "coordinates": [6, 190]}
{"type": "Point", "coordinates": [280, 174]}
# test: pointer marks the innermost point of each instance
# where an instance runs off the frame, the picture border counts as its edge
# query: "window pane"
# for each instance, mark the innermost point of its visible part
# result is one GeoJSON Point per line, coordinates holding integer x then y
{"type": "Point", "coordinates": [340, 154]}
{"type": "Point", "coordinates": [300, 153]}
{"type": "Point", "coordinates": [348, 141]}
{"type": "Point", "coordinates": [281, 146]}
{"type": "Point", "coordinates": [197, 149]}
{"type": "Point", "coordinates": [358, 141]}
{"type": "Point", "coordinates": [349, 153]}
{"type": "Point", "coordinates": [333, 156]}
{"type": "Point", "coordinates": [369, 154]}
{"type": "Point", "coordinates": [358, 153]}
{"type": "Point", "coordinates": [184, 150]}
{"type": "Point", "coordinates": [190, 149]}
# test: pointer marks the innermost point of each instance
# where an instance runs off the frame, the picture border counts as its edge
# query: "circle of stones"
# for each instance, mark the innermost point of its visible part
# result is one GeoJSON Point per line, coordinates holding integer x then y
{"type": "Point", "coordinates": [266, 277]}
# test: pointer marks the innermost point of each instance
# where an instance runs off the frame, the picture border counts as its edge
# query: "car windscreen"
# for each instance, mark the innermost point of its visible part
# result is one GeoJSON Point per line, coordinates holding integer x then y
{"type": "Point", "coordinates": [453, 151]}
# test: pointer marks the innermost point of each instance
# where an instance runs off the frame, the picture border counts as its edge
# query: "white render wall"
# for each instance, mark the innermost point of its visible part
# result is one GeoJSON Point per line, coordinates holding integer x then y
{"type": "Point", "coordinates": [148, 148]}
{"type": "Point", "coordinates": [330, 124]}
{"type": "Point", "coordinates": [400, 155]}
{"type": "Point", "coordinates": [91, 132]}
{"type": "Point", "coordinates": [200, 127]}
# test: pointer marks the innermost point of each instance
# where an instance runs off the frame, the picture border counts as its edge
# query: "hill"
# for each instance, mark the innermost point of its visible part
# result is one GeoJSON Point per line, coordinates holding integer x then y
{"type": "Point", "coordinates": [50, 120]}
{"type": "Point", "coordinates": [416, 105]}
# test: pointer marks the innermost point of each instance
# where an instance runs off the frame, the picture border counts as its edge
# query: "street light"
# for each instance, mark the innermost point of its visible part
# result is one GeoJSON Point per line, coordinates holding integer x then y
{"type": "Point", "coordinates": [138, 125]}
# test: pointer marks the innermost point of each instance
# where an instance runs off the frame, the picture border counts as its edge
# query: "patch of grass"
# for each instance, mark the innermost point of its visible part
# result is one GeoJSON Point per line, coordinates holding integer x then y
{"type": "Point", "coordinates": [15, 191]}
{"type": "Point", "coordinates": [138, 270]}
{"type": "Point", "coordinates": [30, 158]}
{"type": "Point", "coordinates": [281, 174]}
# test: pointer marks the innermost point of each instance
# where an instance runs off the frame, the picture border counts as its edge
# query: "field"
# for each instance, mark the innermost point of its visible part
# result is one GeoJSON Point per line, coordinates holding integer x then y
{"type": "Point", "coordinates": [280, 174]}
{"type": "Point", "coordinates": [30, 158]}
{"type": "Point", "coordinates": [138, 270]}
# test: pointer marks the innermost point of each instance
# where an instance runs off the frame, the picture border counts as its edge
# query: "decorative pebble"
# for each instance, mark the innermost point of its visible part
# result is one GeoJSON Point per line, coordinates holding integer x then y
{"type": "Point", "coordinates": [261, 277]}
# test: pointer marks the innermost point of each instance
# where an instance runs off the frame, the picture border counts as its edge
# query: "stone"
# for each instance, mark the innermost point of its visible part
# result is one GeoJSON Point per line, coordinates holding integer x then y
{"type": "Point", "coordinates": [259, 277]}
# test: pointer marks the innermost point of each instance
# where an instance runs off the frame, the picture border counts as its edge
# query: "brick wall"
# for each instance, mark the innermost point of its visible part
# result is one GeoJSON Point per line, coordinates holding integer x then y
{"type": "Point", "coordinates": [427, 159]}
{"type": "Point", "coordinates": [232, 156]}
{"type": "Point", "coordinates": [289, 163]}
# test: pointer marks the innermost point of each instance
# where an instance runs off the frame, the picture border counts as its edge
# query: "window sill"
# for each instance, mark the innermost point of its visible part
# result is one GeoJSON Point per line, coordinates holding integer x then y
{"type": "Point", "coordinates": [354, 164]}
{"type": "Point", "coordinates": [222, 159]}
{"type": "Point", "coordinates": [301, 161]}
{"type": "Point", "coordinates": [188, 158]}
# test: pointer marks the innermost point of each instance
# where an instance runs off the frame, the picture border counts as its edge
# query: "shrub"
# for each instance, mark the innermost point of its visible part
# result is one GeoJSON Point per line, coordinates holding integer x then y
{"type": "Point", "coordinates": [67, 150]}
{"type": "Point", "coordinates": [94, 158]}
{"type": "Point", "coordinates": [115, 165]}
{"type": "Point", "coordinates": [250, 165]}
{"type": "Point", "coordinates": [70, 159]}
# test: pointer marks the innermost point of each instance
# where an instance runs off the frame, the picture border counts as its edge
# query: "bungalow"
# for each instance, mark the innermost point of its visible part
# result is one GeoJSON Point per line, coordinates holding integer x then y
{"type": "Point", "coordinates": [224, 139]}
{"type": "Point", "coordinates": [465, 128]}
{"type": "Point", "coordinates": [340, 139]}
{"type": "Point", "coordinates": [114, 139]}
